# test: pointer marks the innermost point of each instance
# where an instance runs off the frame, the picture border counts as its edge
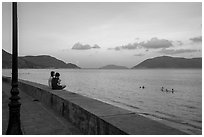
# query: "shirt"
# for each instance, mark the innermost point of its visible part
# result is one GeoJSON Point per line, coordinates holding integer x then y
{"type": "Point", "coordinates": [50, 82]}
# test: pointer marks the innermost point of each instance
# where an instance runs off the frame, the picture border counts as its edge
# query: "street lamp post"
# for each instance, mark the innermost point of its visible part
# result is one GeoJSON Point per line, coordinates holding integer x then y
{"type": "Point", "coordinates": [14, 125]}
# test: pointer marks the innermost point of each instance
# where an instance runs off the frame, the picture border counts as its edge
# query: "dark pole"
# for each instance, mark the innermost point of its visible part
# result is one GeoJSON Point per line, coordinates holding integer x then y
{"type": "Point", "coordinates": [14, 125]}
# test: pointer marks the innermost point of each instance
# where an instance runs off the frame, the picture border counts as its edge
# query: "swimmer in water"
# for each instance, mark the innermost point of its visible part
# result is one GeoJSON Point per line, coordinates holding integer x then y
{"type": "Point", "coordinates": [172, 90]}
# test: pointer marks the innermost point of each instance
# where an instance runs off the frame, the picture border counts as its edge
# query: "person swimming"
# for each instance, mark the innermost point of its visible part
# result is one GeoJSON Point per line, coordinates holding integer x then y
{"type": "Point", "coordinates": [172, 90]}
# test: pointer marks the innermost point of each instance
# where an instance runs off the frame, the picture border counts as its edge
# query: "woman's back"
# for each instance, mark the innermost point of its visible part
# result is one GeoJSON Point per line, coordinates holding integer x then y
{"type": "Point", "coordinates": [55, 83]}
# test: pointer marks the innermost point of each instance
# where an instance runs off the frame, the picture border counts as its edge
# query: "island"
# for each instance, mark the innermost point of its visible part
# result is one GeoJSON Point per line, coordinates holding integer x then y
{"type": "Point", "coordinates": [113, 67]}
{"type": "Point", "coordinates": [170, 62]}
{"type": "Point", "coordinates": [42, 61]}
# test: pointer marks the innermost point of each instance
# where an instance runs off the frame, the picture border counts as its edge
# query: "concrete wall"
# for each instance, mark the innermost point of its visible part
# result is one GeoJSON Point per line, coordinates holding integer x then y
{"type": "Point", "coordinates": [92, 116]}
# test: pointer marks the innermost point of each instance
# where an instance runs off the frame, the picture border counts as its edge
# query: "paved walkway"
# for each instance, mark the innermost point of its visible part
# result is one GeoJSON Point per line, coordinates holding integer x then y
{"type": "Point", "coordinates": [36, 118]}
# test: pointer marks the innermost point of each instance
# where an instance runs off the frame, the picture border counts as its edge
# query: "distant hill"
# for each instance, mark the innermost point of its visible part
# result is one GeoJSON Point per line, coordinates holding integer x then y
{"type": "Point", "coordinates": [6, 59]}
{"type": "Point", "coordinates": [42, 61]}
{"type": "Point", "coordinates": [113, 67]}
{"type": "Point", "coordinates": [170, 62]}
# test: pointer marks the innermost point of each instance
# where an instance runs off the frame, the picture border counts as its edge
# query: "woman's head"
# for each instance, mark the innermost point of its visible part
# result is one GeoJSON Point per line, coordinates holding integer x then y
{"type": "Point", "coordinates": [57, 74]}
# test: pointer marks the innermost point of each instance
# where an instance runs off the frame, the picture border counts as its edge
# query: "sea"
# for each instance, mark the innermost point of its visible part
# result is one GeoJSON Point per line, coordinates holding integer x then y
{"type": "Point", "coordinates": [181, 109]}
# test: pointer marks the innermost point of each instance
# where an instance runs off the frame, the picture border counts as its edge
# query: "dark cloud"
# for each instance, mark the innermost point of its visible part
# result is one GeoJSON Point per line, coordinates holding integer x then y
{"type": "Point", "coordinates": [130, 46]}
{"type": "Point", "coordinates": [156, 43]}
{"type": "Point", "coordinates": [178, 51]}
{"type": "Point", "coordinates": [139, 54]}
{"type": "Point", "coordinates": [96, 46]}
{"type": "Point", "coordinates": [196, 39]}
{"type": "Point", "coordinates": [127, 47]}
{"type": "Point", "coordinates": [79, 46]}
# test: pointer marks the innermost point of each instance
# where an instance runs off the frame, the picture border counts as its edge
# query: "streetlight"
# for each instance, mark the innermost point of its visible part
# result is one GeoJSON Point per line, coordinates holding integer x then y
{"type": "Point", "coordinates": [14, 125]}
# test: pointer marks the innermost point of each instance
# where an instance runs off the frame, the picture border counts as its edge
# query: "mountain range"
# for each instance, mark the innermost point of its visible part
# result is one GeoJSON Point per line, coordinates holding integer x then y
{"type": "Point", "coordinates": [42, 61]}
{"type": "Point", "coordinates": [113, 67]}
{"type": "Point", "coordinates": [46, 61]}
{"type": "Point", "coordinates": [170, 62]}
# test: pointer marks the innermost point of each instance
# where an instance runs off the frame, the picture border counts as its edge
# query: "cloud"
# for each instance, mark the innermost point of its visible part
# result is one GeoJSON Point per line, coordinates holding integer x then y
{"type": "Point", "coordinates": [196, 39]}
{"type": "Point", "coordinates": [126, 47]}
{"type": "Point", "coordinates": [156, 43]}
{"type": "Point", "coordinates": [96, 46]}
{"type": "Point", "coordinates": [79, 46]}
{"type": "Point", "coordinates": [139, 54]}
{"type": "Point", "coordinates": [177, 51]}
{"type": "Point", "coordinates": [130, 46]}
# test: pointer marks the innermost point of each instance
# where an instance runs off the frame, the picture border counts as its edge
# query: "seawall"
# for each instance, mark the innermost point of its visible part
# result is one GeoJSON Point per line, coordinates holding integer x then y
{"type": "Point", "coordinates": [92, 116]}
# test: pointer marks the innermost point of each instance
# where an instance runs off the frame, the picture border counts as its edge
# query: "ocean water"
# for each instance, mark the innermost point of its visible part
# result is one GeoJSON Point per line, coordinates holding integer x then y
{"type": "Point", "coordinates": [181, 109]}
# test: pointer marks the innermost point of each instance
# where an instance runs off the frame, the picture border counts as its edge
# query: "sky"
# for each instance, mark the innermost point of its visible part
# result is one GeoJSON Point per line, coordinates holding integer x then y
{"type": "Point", "coordinates": [93, 35]}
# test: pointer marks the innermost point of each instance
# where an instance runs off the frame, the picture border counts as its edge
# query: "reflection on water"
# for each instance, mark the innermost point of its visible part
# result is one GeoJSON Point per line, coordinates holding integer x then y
{"type": "Point", "coordinates": [181, 109]}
